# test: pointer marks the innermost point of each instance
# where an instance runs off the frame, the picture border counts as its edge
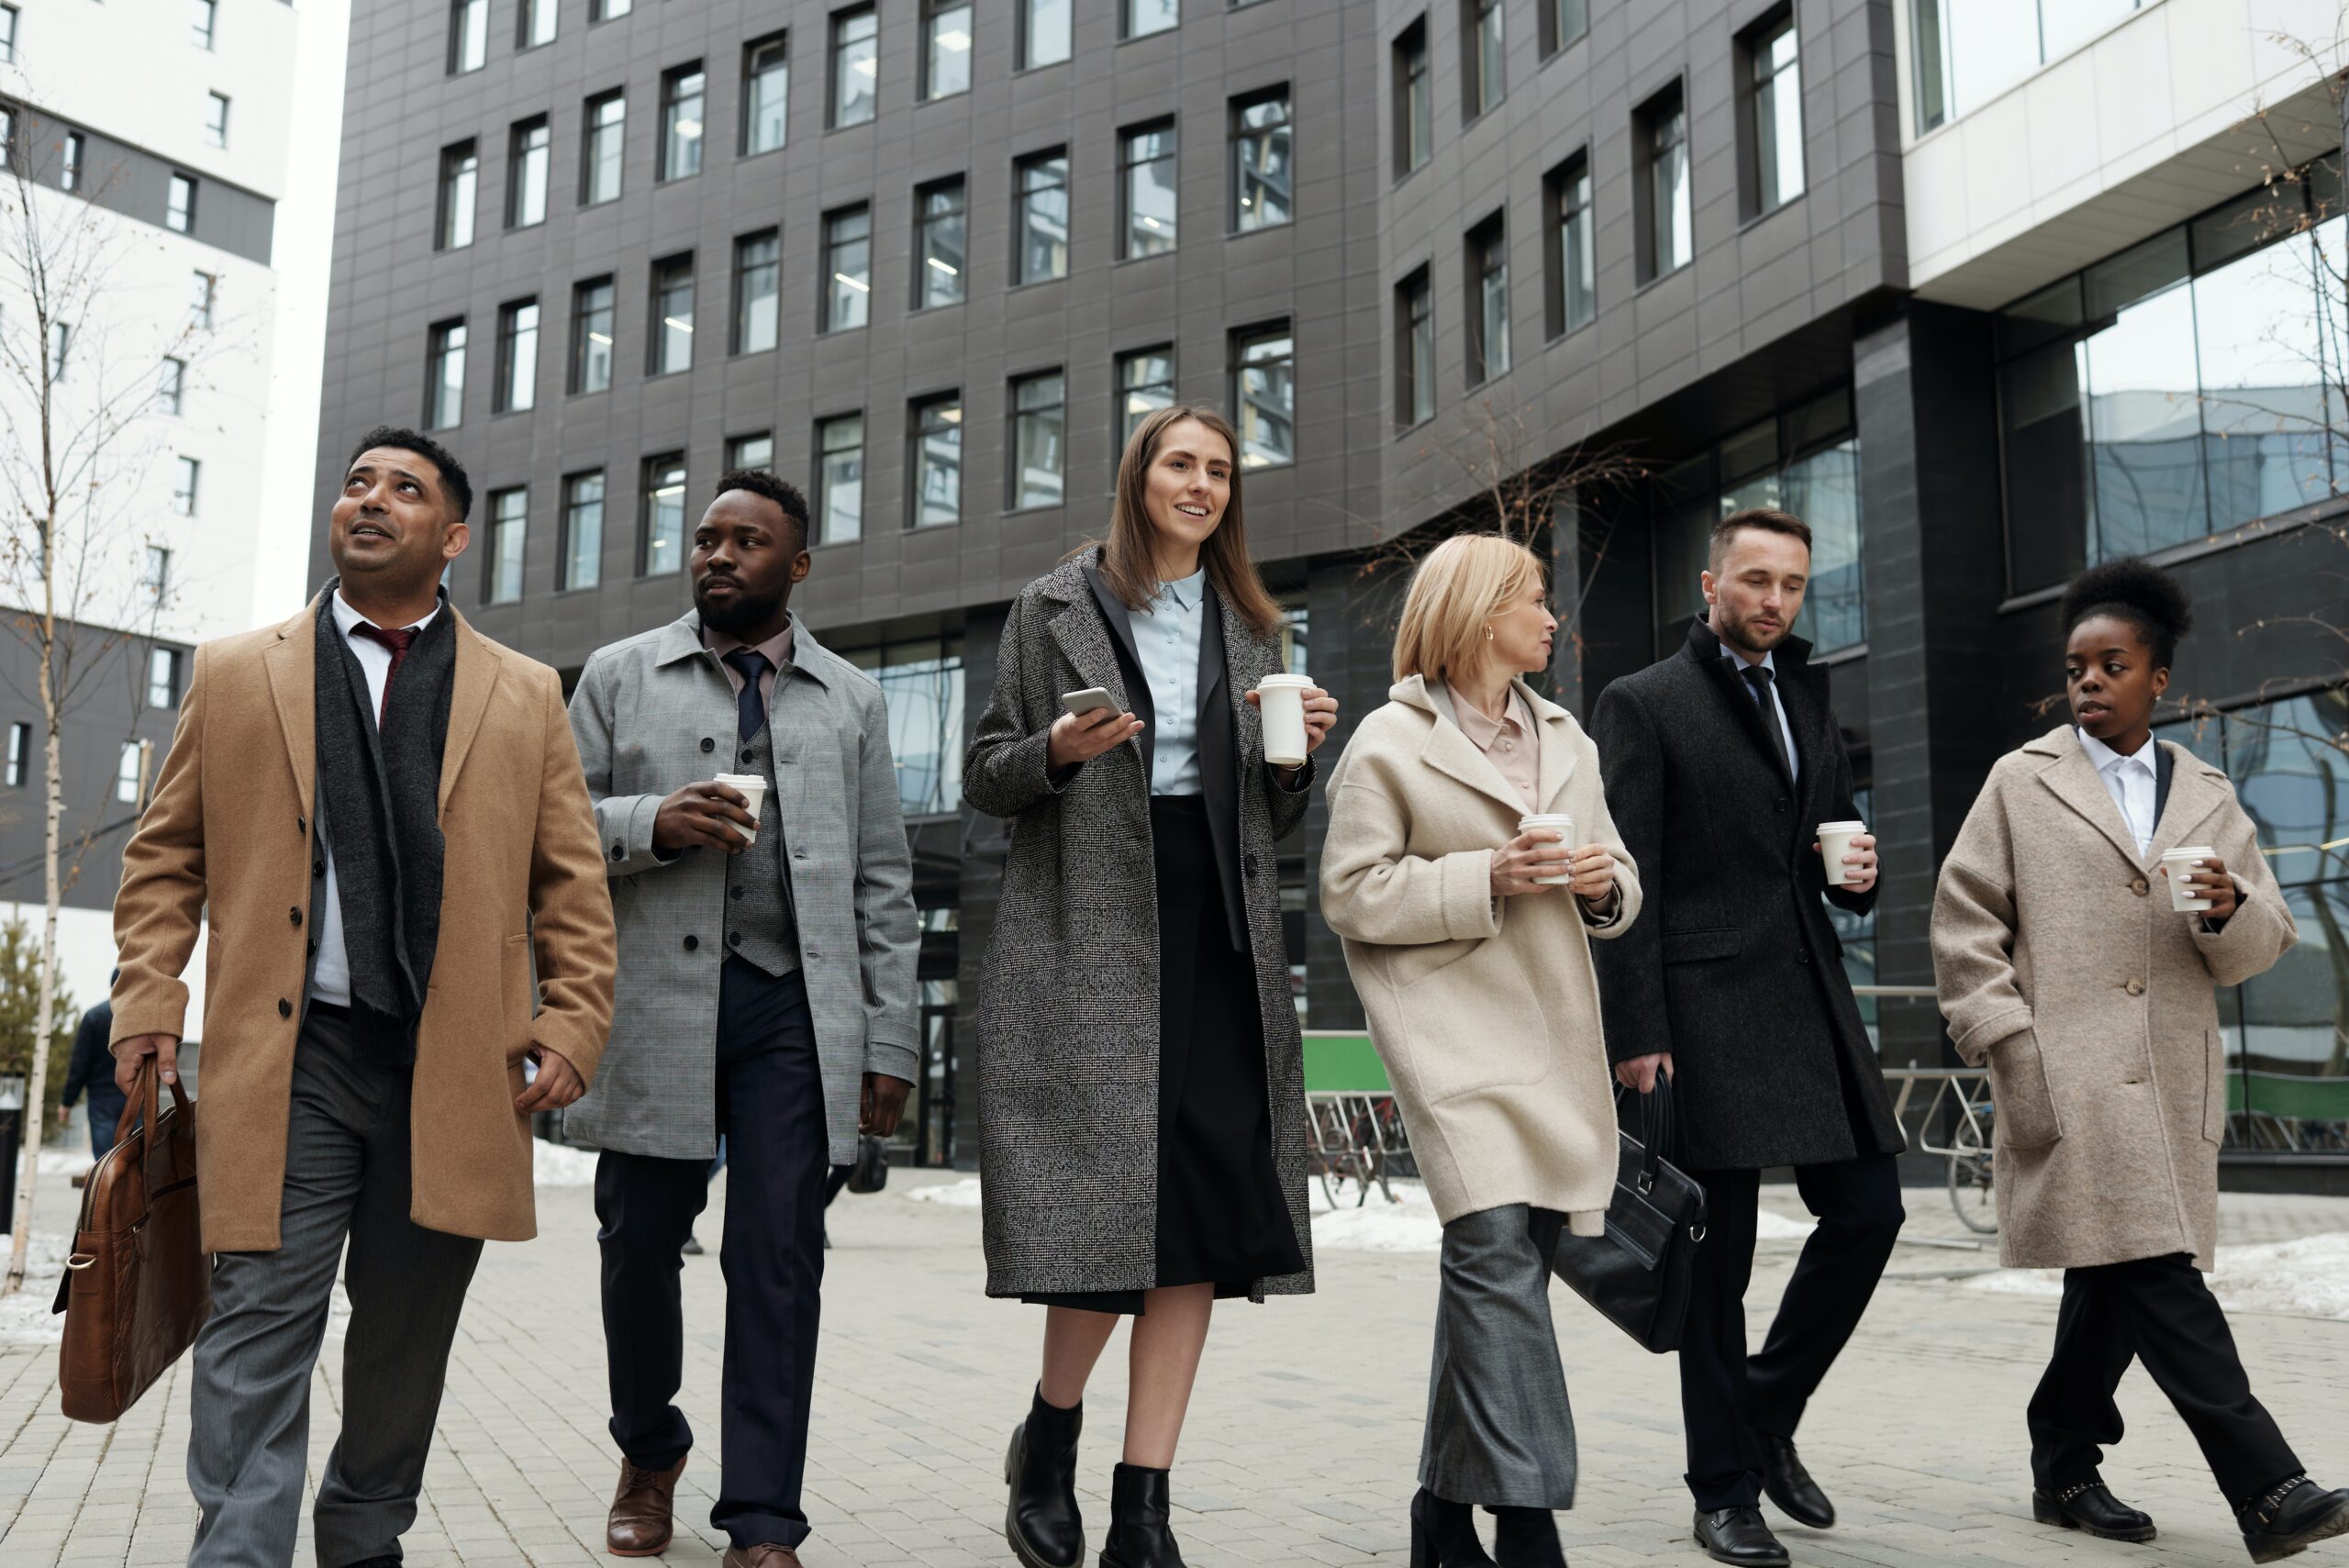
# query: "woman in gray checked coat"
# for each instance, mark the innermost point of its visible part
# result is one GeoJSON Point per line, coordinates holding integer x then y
{"type": "Point", "coordinates": [1140, 1075]}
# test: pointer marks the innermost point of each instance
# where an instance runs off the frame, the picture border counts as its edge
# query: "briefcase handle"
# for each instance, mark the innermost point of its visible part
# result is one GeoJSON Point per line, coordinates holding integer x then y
{"type": "Point", "coordinates": [1656, 1127]}
{"type": "Point", "coordinates": [145, 1102]}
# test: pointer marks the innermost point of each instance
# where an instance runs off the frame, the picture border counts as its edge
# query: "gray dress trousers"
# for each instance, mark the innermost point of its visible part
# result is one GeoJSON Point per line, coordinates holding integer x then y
{"type": "Point", "coordinates": [1499, 1434]}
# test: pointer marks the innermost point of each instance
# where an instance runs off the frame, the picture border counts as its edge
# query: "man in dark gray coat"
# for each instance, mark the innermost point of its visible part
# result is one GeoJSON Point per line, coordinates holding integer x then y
{"type": "Point", "coordinates": [1720, 761]}
{"type": "Point", "coordinates": [766, 991]}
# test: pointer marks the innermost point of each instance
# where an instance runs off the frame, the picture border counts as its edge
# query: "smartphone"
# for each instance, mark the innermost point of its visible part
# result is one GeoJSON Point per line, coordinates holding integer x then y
{"type": "Point", "coordinates": [1085, 701]}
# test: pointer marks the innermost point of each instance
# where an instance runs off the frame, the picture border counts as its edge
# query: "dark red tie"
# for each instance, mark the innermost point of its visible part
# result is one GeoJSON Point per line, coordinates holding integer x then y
{"type": "Point", "coordinates": [397, 642]}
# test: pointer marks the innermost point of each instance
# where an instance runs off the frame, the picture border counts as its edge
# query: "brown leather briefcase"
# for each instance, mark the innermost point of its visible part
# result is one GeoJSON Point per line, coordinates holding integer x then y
{"type": "Point", "coordinates": [138, 1283]}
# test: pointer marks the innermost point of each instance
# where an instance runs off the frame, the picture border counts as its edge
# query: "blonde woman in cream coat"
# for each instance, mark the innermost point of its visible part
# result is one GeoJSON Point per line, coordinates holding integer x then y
{"type": "Point", "coordinates": [1476, 978]}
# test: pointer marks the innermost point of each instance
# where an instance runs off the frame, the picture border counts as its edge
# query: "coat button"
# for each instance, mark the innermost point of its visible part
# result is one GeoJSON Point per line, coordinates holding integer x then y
{"type": "Point", "coordinates": [295, 915]}
{"type": "Point", "coordinates": [2139, 887]}
{"type": "Point", "coordinates": [285, 1008]}
{"type": "Point", "coordinates": [734, 939]}
{"type": "Point", "coordinates": [692, 942]}
{"type": "Point", "coordinates": [301, 824]}
{"type": "Point", "coordinates": [317, 868]}
{"type": "Point", "coordinates": [619, 851]}
{"type": "Point", "coordinates": [707, 744]}
{"type": "Point", "coordinates": [1803, 956]}
{"type": "Point", "coordinates": [733, 893]}
{"type": "Point", "coordinates": [746, 756]}
{"type": "Point", "coordinates": [1248, 865]}
{"type": "Point", "coordinates": [2135, 987]}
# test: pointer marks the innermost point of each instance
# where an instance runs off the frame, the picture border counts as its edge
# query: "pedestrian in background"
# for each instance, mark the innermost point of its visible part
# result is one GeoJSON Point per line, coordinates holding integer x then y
{"type": "Point", "coordinates": [381, 812]}
{"type": "Point", "coordinates": [92, 1069]}
{"type": "Point", "coordinates": [1721, 761]}
{"type": "Point", "coordinates": [764, 887]}
{"type": "Point", "coordinates": [1468, 939]}
{"type": "Point", "coordinates": [1140, 1071]}
{"type": "Point", "coordinates": [2064, 963]}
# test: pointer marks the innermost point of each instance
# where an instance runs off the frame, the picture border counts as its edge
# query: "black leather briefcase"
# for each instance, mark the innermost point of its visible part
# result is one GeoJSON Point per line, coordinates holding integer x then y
{"type": "Point", "coordinates": [1637, 1273]}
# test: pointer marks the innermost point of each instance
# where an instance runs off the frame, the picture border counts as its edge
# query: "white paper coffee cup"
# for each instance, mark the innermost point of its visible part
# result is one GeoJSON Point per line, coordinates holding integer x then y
{"type": "Point", "coordinates": [1564, 827]}
{"type": "Point", "coordinates": [752, 787]}
{"type": "Point", "coordinates": [1281, 700]}
{"type": "Point", "coordinates": [1834, 843]}
{"type": "Point", "coordinates": [2178, 863]}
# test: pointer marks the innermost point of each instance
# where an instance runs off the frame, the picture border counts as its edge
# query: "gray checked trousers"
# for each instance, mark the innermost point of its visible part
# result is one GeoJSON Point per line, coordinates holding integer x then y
{"type": "Point", "coordinates": [1499, 1434]}
{"type": "Point", "coordinates": [346, 1179]}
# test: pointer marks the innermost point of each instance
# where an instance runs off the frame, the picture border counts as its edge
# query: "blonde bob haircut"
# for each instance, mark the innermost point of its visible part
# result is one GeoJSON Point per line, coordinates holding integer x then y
{"type": "Point", "coordinates": [1459, 588]}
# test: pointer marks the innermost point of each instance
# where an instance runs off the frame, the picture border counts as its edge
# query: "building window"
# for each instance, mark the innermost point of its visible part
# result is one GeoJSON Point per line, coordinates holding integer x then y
{"type": "Point", "coordinates": [60, 344]}
{"type": "Point", "coordinates": [1143, 18]}
{"type": "Point", "coordinates": [1966, 52]}
{"type": "Point", "coordinates": [758, 282]}
{"type": "Point", "coordinates": [1563, 22]}
{"type": "Point", "coordinates": [468, 35]}
{"type": "Point", "coordinates": [1042, 184]}
{"type": "Point", "coordinates": [591, 305]}
{"type": "Point", "coordinates": [856, 65]}
{"type": "Point", "coordinates": [1263, 388]}
{"type": "Point", "coordinates": [1146, 185]}
{"type": "Point", "coordinates": [535, 24]}
{"type": "Point", "coordinates": [509, 521]}
{"type": "Point", "coordinates": [581, 561]}
{"type": "Point", "coordinates": [1146, 384]}
{"type": "Point", "coordinates": [444, 380]}
{"type": "Point", "coordinates": [673, 316]}
{"type": "Point", "coordinates": [178, 205]}
{"type": "Point", "coordinates": [1044, 32]}
{"type": "Point", "coordinates": [922, 687]}
{"type": "Point", "coordinates": [215, 119]}
{"type": "Point", "coordinates": [8, 46]}
{"type": "Point", "coordinates": [1414, 100]}
{"type": "Point", "coordinates": [460, 183]}
{"type": "Point", "coordinates": [529, 150]}
{"type": "Point", "coordinates": [840, 479]}
{"type": "Point", "coordinates": [1665, 212]}
{"type": "Point", "coordinates": [155, 578]}
{"type": "Point", "coordinates": [848, 268]}
{"type": "Point", "coordinates": [681, 92]}
{"type": "Point", "coordinates": [1414, 350]}
{"type": "Point", "coordinates": [945, 48]}
{"type": "Point", "coordinates": [69, 167]}
{"type": "Point", "coordinates": [608, 10]}
{"type": "Point", "coordinates": [201, 300]}
{"type": "Point", "coordinates": [939, 212]}
{"type": "Point", "coordinates": [204, 20]}
{"type": "Point", "coordinates": [755, 450]}
{"type": "Point", "coordinates": [20, 736]}
{"type": "Point", "coordinates": [601, 149]}
{"type": "Point", "coordinates": [663, 536]}
{"type": "Point", "coordinates": [127, 769]}
{"type": "Point", "coordinates": [936, 439]}
{"type": "Point", "coordinates": [1487, 300]}
{"type": "Point", "coordinates": [1484, 64]}
{"type": "Point", "coordinates": [188, 475]}
{"type": "Point", "coordinates": [1569, 251]}
{"type": "Point", "coordinates": [1039, 449]}
{"type": "Point", "coordinates": [766, 93]}
{"type": "Point", "coordinates": [517, 357]}
{"type": "Point", "coordinates": [171, 387]}
{"type": "Point", "coordinates": [163, 678]}
{"type": "Point", "coordinates": [1260, 160]}
{"type": "Point", "coordinates": [1771, 168]}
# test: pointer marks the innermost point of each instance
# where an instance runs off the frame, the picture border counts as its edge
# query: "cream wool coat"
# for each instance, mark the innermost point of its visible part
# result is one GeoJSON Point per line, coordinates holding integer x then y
{"type": "Point", "coordinates": [2061, 964]}
{"type": "Point", "coordinates": [1484, 1012]}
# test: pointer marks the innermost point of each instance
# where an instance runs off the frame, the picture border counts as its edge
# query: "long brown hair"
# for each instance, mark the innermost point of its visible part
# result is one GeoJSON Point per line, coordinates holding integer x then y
{"type": "Point", "coordinates": [1128, 559]}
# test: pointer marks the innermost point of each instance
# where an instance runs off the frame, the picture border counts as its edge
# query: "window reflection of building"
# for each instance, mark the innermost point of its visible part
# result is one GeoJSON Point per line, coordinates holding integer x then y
{"type": "Point", "coordinates": [922, 682]}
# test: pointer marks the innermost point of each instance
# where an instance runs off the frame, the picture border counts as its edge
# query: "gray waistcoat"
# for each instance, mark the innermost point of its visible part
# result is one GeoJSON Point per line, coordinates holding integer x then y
{"type": "Point", "coordinates": [759, 923]}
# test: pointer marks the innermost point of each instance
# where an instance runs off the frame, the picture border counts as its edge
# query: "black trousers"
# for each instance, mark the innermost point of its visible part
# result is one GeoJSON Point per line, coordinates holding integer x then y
{"type": "Point", "coordinates": [2159, 1311]}
{"type": "Point", "coordinates": [771, 1109]}
{"type": "Point", "coordinates": [1729, 1400]}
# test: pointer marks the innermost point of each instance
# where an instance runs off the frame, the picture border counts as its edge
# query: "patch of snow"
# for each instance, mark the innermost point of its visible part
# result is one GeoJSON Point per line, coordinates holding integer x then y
{"type": "Point", "coordinates": [66, 1162]}
{"type": "Point", "coordinates": [1769, 1227]}
{"type": "Point", "coordinates": [559, 1165]}
{"type": "Point", "coordinates": [2307, 1278]}
{"type": "Point", "coordinates": [962, 1194]}
{"type": "Point", "coordinates": [24, 1318]}
{"type": "Point", "coordinates": [1406, 1225]}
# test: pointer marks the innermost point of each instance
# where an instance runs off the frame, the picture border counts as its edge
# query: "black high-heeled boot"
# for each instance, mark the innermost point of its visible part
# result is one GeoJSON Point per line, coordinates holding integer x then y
{"type": "Point", "coordinates": [1138, 1534]}
{"type": "Point", "coordinates": [1527, 1538]}
{"type": "Point", "coordinates": [1443, 1534]}
{"type": "Point", "coordinates": [1042, 1523]}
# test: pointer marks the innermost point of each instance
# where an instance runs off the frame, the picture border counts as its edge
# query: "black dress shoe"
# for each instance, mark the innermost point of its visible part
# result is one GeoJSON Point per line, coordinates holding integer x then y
{"type": "Point", "coordinates": [1443, 1535]}
{"type": "Point", "coordinates": [2290, 1517]}
{"type": "Point", "coordinates": [1138, 1534]}
{"type": "Point", "coordinates": [1788, 1484]}
{"type": "Point", "coordinates": [1042, 1523]}
{"type": "Point", "coordinates": [1527, 1538]}
{"type": "Point", "coordinates": [1738, 1535]}
{"type": "Point", "coordinates": [2088, 1506]}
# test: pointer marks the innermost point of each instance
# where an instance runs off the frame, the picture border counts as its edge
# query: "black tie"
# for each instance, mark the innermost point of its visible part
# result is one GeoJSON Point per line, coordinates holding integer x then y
{"type": "Point", "coordinates": [1758, 677]}
{"type": "Point", "coordinates": [751, 705]}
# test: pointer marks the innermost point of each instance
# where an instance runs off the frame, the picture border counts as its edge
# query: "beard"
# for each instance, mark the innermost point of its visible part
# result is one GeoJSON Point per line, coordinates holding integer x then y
{"type": "Point", "coordinates": [1741, 630]}
{"type": "Point", "coordinates": [745, 612]}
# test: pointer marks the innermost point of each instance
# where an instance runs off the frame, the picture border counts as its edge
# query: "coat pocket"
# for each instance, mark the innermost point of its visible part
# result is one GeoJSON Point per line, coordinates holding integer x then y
{"type": "Point", "coordinates": [2214, 1087]}
{"type": "Point", "coordinates": [1409, 966]}
{"type": "Point", "coordinates": [2025, 1111]}
{"type": "Point", "coordinates": [1694, 947]}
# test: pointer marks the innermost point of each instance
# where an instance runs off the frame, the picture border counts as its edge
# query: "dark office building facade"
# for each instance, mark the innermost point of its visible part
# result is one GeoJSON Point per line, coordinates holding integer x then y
{"type": "Point", "coordinates": [930, 258]}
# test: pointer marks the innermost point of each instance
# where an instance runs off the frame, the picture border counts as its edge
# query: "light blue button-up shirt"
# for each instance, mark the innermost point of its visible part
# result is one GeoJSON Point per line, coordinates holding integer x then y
{"type": "Point", "coordinates": [1166, 640]}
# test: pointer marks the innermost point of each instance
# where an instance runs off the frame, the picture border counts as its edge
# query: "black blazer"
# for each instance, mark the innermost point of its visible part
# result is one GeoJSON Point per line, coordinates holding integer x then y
{"type": "Point", "coordinates": [1734, 965]}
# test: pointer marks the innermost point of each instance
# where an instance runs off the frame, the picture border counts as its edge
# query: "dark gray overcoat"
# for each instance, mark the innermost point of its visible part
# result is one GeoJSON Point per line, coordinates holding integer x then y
{"type": "Point", "coordinates": [1068, 1013]}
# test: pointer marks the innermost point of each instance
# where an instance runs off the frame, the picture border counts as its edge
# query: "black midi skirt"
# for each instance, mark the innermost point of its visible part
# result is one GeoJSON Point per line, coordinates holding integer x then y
{"type": "Point", "coordinates": [1222, 1219]}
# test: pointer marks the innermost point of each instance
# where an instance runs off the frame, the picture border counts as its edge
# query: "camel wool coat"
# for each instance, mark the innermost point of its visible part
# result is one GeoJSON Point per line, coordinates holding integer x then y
{"type": "Point", "coordinates": [1485, 1010]}
{"type": "Point", "coordinates": [232, 826]}
{"type": "Point", "coordinates": [2061, 964]}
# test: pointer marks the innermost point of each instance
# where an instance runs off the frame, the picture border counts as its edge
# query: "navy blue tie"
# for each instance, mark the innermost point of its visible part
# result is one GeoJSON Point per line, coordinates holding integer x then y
{"type": "Point", "coordinates": [752, 705]}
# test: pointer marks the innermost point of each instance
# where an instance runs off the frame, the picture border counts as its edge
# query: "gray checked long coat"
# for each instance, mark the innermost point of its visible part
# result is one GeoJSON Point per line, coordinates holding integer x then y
{"type": "Point", "coordinates": [1068, 1021]}
{"type": "Point", "coordinates": [656, 713]}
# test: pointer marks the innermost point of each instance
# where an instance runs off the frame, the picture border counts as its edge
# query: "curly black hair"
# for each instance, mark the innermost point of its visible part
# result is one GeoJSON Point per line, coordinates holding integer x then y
{"type": "Point", "coordinates": [2136, 591]}
{"type": "Point", "coordinates": [454, 478]}
{"type": "Point", "coordinates": [783, 493]}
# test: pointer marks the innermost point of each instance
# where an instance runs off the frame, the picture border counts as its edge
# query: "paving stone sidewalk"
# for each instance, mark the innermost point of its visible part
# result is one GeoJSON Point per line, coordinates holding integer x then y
{"type": "Point", "coordinates": [1302, 1444]}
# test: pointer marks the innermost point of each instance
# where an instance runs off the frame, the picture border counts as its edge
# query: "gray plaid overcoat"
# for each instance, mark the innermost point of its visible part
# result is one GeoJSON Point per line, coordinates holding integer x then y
{"type": "Point", "coordinates": [1068, 1018]}
{"type": "Point", "coordinates": [656, 713]}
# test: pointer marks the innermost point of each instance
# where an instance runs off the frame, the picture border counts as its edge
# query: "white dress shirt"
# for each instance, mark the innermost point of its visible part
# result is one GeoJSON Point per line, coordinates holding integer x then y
{"type": "Point", "coordinates": [2130, 781]}
{"type": "Point", "coordinates": [1737, 668]}
{"type": "Point", "coordinates": [1166, 640]}
{"type": "Point", "coordinates": [330, 977]}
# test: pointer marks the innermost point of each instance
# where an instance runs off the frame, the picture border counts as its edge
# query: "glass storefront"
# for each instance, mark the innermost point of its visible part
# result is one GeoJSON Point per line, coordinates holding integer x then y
{"type": "Point", "coordinates": [922, 682]}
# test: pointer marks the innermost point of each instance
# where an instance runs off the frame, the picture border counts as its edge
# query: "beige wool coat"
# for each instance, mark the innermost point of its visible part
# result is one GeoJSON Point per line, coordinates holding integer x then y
{"type": "Point", "coordinates": [2061, 964]}
{"type": "Point", "coordinates": [1485, 1011]}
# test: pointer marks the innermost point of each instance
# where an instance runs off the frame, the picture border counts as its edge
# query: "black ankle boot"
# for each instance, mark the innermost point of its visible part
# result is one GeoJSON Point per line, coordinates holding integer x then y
{"type": "Point", "coordinates": [1042, 1523]}
{"type": "Point", "coordinates": [1527, 1538]}
{"type": "Point", "coordinates": [1138, 1534]}
{"type": "Point", "coordinates": [2090, 1505]}
{"type": "Point", "coordinates": [1443, 1535]}
{"type": "Point", "coordinates": [2292, 1515]}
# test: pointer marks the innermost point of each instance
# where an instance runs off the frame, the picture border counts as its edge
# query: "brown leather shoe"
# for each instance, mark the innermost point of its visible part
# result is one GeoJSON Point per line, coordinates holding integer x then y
{"type": "Point", "coordinates": [644, 1510]}
{"type": "Point", "coordinates": [770, 1555]}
